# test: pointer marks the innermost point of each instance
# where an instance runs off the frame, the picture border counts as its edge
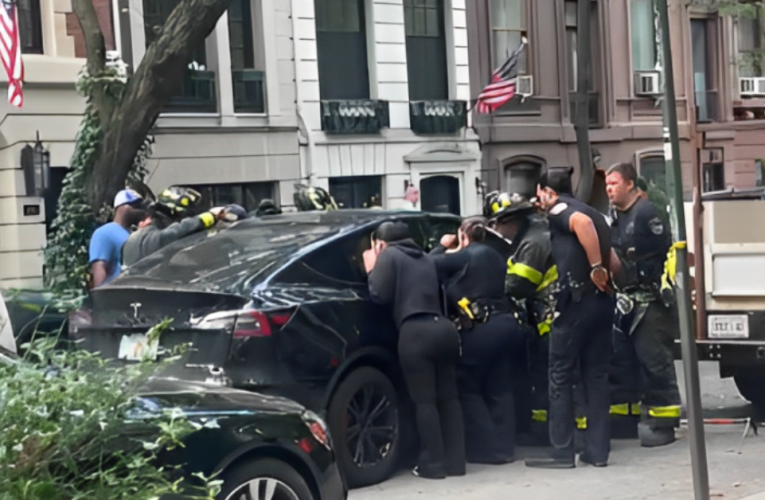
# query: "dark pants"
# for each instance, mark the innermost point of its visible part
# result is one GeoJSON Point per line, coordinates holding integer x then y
{"type": "Point", "coordinates": [643, 365]}
{"type": "Point", "coordinates": [581, 335]}
{"type": "Point", "coordinates": [429, 350]}
{"type": "Point", "coordinates": [489, 353]}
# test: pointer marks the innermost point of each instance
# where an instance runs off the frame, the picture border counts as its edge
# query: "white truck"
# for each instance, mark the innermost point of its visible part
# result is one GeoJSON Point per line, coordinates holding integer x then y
{"type": "Point", "coordinates": [728, 281]}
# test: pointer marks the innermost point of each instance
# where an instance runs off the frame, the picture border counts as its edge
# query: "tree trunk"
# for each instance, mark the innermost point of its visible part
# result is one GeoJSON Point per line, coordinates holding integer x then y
{"type": "Point", "coordinates": [152, 85]}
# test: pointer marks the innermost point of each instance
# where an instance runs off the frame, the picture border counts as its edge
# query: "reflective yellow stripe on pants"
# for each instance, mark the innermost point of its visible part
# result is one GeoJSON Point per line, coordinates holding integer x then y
{"type": "Point", "coordinates": [625, 409]}
{"type": "Point", "coordinates": [541, 417]}
{"type": "Point", "coordinates": [664, 411]}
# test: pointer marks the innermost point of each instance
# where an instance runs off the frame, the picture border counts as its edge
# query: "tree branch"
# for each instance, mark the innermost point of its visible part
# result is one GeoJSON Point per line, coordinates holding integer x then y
{"type": "Point", "coordinates": [151, 87]}
{"type": "Point", "coordinates": [95, 49]}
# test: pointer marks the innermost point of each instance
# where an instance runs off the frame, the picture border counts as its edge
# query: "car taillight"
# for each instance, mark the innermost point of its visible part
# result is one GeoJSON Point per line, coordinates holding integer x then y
{"type": "Point", "coordinates": [257, 324]}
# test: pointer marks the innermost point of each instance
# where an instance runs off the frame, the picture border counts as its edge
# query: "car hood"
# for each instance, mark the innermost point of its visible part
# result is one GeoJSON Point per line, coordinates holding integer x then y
{"type": "Point", "coordinates": [195, 398]}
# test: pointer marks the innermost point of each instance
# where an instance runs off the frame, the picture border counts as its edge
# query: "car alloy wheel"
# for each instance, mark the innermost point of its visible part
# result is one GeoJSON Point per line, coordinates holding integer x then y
{"type": "Point", "coordinates": [363, 419]}
{"type": "Point", "coordinates": [263, 488]}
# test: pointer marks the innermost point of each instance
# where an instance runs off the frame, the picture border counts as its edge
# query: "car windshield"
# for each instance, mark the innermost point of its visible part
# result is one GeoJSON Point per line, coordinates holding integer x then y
{"type": "Point", "coordinates": [231, 260]}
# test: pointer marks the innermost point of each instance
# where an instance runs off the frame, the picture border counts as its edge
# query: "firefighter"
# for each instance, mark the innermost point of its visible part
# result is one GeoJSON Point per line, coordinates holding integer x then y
{"type": "Point", "coordinates": [581, 331]}
{"type": "Point", "coordinates": [530, 280]}
{"type": "Point", "coordinates": [643, 369]}
{"type": "Point", "coordinates": [173, 216]}
{"type": "Point", "coordinates": [474, 286]}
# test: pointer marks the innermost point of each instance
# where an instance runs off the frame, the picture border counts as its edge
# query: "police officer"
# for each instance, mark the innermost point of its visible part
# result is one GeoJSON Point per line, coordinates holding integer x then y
{"type": "Point", "coordinates": [530, 279]}
{"type": "Point", "coordinates": [645, 326]}
{"type": "Point", "coordinates": [403, 276]}
{"type": "Point", "coordinates": [581, 333]}
{"type": "Point", "coordinates": [170, 219]}
{"type": "Point", "coordinates": [492, 340]}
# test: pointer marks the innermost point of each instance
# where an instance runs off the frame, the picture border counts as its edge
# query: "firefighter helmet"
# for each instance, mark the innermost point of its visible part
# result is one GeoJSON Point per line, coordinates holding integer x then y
{"type": "Point", "coordinates": [177, 201]}
{"type": "Point", "coordinates": [499, 205]}
{"type": "Point", "coordinates": [310, 198]}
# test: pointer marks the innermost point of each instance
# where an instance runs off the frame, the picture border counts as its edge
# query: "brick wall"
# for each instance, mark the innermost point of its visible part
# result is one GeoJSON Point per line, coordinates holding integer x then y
{"type": "Point", "coordinates": [104, 12]}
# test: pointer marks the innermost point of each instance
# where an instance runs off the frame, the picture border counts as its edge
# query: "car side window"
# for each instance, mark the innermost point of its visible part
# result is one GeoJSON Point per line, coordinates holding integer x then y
{"type": "Point", "coordinates": [337, 262]}
{"type": "Point", "coordinates": [435, 228]}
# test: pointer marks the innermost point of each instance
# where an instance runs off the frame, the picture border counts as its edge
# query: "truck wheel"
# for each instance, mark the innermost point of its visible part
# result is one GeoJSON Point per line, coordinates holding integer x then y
{"type": "Point", "coordinates": [750, 386]}
{"type": "Point", "coordinates": [363, 420]}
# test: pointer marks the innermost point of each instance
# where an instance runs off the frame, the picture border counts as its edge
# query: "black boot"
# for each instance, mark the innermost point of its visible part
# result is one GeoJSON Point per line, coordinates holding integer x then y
{"type": "Point", "coordinates": [555, 459]}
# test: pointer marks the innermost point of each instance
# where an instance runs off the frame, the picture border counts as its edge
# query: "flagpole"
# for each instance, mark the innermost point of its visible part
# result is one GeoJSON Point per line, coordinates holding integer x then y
{"type": "Point", "coordinates": [682, 282]}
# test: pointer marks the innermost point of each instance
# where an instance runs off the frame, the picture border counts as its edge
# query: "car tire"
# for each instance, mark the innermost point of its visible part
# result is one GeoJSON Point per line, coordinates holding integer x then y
{"type": "Point", "coordinates": [286, 482]}
{"type": "Point", "coordinates": [345, 405]}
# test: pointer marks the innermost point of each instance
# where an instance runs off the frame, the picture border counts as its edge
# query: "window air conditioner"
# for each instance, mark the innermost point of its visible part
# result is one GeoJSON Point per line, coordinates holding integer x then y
{"type": "Point", "coordinates": [525, 86]}
{"type": "Point", "coordinates": [752, 86]}
{"type": "Point", "coordinates": [647, 83]}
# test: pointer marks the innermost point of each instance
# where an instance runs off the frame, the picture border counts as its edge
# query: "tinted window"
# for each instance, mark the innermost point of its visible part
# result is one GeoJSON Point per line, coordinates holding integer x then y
{"type": "Point", "coordinates": [435, 228]}
{"type": "Point", "coordinates": [338, 262]}
{"type": "Point", "coordinates": [230, 260]}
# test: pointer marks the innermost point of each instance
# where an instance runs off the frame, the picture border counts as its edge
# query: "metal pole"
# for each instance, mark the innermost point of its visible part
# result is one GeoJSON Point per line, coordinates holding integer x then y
{"type": "Point", "coordinates": [583, 84]}
{"type": "Point", "coordinates": [688, 343]}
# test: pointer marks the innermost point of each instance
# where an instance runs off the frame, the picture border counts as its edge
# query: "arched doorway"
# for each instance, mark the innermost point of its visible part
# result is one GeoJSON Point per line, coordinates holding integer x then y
{"type": "Point", "coordinates": [440, 193]}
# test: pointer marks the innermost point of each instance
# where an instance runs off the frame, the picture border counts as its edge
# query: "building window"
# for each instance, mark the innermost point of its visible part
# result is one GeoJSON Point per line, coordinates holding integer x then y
{"type": "Point", "coordinates": [643, 35]}
{"type": "Point", "coordinates": [341, 40]}
{"type": "Point", "coordinates": [356, 192]}
{"type": "Point", "coordinates": [30, 26]}
{"type": "Point", "coordinates": [522, 178]}
{"type": "Point", "coordinates": [246, 57]}
{"type": "Point", "coordinates": [508, 20]}
{"type": "Point", "coordinates": [508, 26]}
{"type": "Point", "coordinates": [196, 93]}
{"type": "Point", "coordinates": [751, 45]}
{"type": "Point", "coordinates": [248, 195]}
{"type": "Point", "coordinates": [714, 177]}
{"type": "Point", "coordinates": [653, 169]}
{"type": "Point", "coordinates": [572, 43]}
{"type": "Point", "coordinates": [426, 50]}
{"type": "Point", "coordinates": [703, 47]}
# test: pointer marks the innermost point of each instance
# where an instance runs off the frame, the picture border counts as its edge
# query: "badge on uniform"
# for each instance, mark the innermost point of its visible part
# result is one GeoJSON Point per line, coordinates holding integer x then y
{"type": "Point", "coordinates": [656, 226]}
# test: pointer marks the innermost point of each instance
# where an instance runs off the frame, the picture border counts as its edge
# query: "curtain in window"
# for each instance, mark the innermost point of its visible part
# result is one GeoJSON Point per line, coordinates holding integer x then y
{"type": "Point", "coordinates": [643, 35]}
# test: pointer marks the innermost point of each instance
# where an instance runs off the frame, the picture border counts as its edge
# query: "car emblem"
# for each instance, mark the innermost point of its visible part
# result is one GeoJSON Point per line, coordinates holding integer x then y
{"type": "Point", "coordinates": [136, 306]}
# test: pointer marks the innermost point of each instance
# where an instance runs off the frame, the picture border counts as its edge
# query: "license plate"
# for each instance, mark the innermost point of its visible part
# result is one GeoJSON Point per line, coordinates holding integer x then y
{"type": "Point", "coordinates": [136, 347]}
{"type": "Point", "coordinates": [733, 326]}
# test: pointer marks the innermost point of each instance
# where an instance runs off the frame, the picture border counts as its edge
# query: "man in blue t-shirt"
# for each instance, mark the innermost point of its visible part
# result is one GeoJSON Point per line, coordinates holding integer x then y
{"type": "Point", "coordinates": [106, 243]}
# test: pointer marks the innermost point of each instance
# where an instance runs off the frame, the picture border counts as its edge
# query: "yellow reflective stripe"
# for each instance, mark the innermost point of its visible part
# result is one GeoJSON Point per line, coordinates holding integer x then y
{"type": "Point", "coordinates": [670, 264]}
{"type": "Point", "coordinates": [524, 271]}
{"type": "Point", "coordinates": [544, 327]}
{"type": "Point", "coordinates": [664, 411]}
{"type": "Point", "coordinates": [622, 409]}
{"type": "Point", "coordinates": [550, 277]}
{"type": "Point", "coordinates": [539, 415]}
{"type": "Point", "coordinates": [208, 219]}
{"type": "Point", "coordinates": [581, 423]}
{"type": "Point", "coordinates": [635, 409]}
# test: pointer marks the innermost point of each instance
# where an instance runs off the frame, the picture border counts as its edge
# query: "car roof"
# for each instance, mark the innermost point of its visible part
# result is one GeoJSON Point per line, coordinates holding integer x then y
{"type": "Point", "coordinates": [230, 259]}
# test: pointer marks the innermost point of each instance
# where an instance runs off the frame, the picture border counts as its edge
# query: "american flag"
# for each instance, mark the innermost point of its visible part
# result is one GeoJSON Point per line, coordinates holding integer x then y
{"type": "Point", "coordinates": [10, 52]}
{"type": "Point", "coordinates": [502, 86]}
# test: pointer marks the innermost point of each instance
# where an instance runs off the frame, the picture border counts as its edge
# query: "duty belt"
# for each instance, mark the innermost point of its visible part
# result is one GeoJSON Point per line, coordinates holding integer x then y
{"type": "Point", "coordinates": [479, 311]}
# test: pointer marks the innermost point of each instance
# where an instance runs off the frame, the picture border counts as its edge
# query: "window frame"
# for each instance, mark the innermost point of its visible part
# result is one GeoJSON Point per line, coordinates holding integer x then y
{"type": "Point", "coordinates": [209, 196]}
{"type": "Point", "coordinates": [31, 14]}
{"type": "Point", "coordinates": [757, 42]}
{"type": "Point", "coordinates": [515, 107]}
{"type": "Point", "coordinates": [644, 29]}
{"type": "Point", "coordinates": [525, 162]}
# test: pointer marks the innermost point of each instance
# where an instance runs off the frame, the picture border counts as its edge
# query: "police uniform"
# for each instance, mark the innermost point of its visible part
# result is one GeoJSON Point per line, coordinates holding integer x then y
{"type": "Point", "coordinates": [492, 340]}
{"type": "Point", "coordinates": [643, 369]}
{"type": "Point", "coordinates": [580, 337]}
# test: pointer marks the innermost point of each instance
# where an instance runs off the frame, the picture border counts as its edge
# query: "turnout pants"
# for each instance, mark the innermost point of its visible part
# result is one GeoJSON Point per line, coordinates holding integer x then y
{"type": "Point", "coordinates": [490, 351]}
{"type": "Point", "coordinates": [429, 350]}
{"type": "Point", "coordinates": [581, 336]}
{"type": "Point", "coordinates": [643, 378]}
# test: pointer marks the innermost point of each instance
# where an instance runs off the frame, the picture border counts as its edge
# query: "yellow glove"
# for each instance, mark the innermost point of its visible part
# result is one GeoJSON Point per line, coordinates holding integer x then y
{"type": "Point", "coordinates": [670, 268]}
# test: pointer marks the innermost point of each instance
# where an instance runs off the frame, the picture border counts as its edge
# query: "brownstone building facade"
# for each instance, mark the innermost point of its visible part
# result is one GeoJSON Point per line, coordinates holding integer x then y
{"type": "Point", "coordinates": [719, 78]}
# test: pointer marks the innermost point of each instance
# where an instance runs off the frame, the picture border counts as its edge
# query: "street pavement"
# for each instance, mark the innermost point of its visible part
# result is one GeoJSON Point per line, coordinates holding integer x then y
{"type": "Point", "coordinates": [736, 466]}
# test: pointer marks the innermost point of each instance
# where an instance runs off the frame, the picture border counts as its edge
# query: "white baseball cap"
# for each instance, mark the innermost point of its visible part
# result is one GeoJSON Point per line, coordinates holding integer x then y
{"type": "Point", "coordinates": [126, 197]}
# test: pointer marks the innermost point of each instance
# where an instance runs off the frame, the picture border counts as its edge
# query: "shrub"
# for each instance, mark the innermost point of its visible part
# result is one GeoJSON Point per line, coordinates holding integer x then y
{"type": "Point", "coordinates": [69, 431]}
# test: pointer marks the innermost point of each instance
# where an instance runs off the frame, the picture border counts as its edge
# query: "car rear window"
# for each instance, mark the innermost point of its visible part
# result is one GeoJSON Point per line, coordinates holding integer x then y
{"type": "Point", "coordinates": [231, 260]}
